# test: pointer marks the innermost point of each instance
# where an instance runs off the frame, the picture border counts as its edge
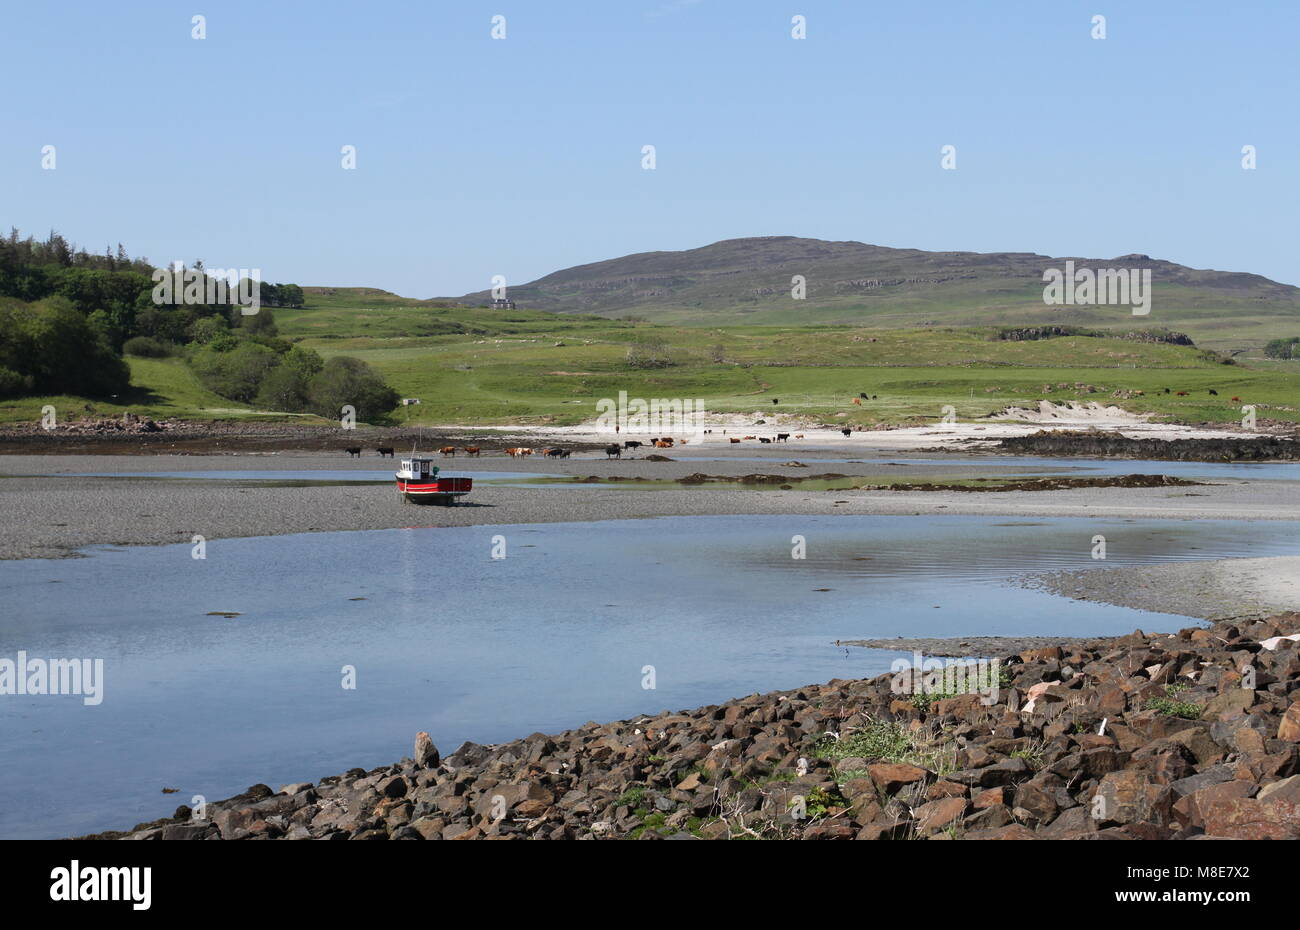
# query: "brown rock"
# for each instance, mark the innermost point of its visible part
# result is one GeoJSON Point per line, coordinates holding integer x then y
{"type": "Point", "coordinates": [1253, 819]}
{"type": "Point", "coordinates": [1289, 728]}
{"type": "Point", "coordinates": [891, 777]}
{"type": "Point", "coordinates": [1230, 701]}
{"type": "Point", "coordinates": [938, 814]}
{"type": "Point", "coordinates": [1131, 796]}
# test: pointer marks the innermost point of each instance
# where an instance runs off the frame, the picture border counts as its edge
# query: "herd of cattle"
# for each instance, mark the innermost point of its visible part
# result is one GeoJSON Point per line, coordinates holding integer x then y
{"type": "Point", "coordinates": [612, 451]}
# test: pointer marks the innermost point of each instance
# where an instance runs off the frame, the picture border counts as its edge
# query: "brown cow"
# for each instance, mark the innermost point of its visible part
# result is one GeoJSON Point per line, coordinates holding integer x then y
{"type": "Point", "coordinates": [448, 450]}
{"type": "Point", "coordinates": [798, 435]}
{"type": "Point", "coordinates": [734, 439]}
{"type": "Point", "coordinates": [663, 445]}
{"type": "Point", "coordinates": [471, 450]}
{"type": "Point", "coordinates": [1236, 400]}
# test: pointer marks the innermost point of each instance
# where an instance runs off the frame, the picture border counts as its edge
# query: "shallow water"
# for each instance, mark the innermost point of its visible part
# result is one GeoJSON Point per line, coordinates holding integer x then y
{"type": "Point", "coordinates": [451, 641]}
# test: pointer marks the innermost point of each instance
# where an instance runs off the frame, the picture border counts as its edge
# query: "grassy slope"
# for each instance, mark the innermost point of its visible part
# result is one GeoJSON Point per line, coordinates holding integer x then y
{"type": "Point", "coordinates": [505, 366]}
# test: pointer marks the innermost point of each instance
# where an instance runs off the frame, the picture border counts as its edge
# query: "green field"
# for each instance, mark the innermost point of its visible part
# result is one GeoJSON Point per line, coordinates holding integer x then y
{"type": "Point", "coordinates": [498, 367]}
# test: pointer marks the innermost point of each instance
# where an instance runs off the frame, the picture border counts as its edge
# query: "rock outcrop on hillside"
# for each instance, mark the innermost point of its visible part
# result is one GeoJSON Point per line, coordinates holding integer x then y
{"type": "Point", "coordinates": [1172, 736]}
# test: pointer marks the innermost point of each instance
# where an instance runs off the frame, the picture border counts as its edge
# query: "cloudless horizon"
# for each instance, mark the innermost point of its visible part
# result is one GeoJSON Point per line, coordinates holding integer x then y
{"type": "Point", "coordinates": [522, 156]}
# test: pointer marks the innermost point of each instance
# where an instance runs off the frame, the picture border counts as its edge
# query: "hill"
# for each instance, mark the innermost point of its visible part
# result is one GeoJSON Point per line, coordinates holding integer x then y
{"type": "Point", "coordinates": [748, 281]}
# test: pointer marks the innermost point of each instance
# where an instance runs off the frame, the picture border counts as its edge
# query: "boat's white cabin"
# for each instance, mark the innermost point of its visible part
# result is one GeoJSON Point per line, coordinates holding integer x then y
{"type": "Point", "coordinates": [417, 468]}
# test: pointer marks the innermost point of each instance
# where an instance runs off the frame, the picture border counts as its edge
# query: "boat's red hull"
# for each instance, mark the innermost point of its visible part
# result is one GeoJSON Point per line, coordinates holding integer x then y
{"type": "Point", "coordinates": [434, 490]}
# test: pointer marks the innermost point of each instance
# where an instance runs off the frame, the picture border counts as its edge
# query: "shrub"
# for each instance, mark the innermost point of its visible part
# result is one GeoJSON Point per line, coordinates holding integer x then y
{"type": "Point", "coordinates": [145, 347]}
{"type": "Point", "coordinates": [236, 374]}
{"type": "Point", "coordinates": [345, 381]}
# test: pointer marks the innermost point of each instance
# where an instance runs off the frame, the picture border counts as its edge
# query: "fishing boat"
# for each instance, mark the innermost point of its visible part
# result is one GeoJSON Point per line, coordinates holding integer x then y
{"type": "Point", "coordinates": [419, 483]}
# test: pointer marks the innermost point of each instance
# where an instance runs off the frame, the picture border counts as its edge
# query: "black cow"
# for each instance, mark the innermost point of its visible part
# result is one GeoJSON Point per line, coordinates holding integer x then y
{"type": "Point", "coordinates": [385, 451]}
{"type": "Point", "coordinates": [355, 450]}
{"type": "Point", "coordinates": [763, 439]}
{"type": "Point", "coordinates": [783, 437]}
{"type": "Point", "coordinates": [846, 431]}
{"type": "Point", "coordinates": [1214, 392]}
{"type": "Point", "coordinates": [632, 444]}
{"type": "Point", "coordinates": [557, 453]}
{"type": "Point", "coordinates": [776, 400]}
{"type": "Point", "coordinates": [863, 395]}
{"type": "Point", "coordinates": [613, 452]}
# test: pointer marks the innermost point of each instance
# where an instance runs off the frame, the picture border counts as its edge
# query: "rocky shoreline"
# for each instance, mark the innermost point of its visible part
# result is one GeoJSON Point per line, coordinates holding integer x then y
{"type": "Point", "coordinates": [1193, 735]}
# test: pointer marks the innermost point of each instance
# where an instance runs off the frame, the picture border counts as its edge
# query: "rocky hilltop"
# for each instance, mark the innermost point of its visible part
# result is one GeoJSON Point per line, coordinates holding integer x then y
{"type": "Point", "coordinates": [749, 280]}
{"type": "Point", "coordinates": [1193, 735]}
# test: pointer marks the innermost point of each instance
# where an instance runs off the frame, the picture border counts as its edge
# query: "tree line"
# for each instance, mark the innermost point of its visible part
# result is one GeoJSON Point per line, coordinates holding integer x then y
{"type": "Point", "coordinates": [68, 316]}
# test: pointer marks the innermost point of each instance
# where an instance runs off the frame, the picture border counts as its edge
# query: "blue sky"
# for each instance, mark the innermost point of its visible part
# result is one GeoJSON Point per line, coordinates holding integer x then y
{"type": "Point", "coordinates": [518, 157]}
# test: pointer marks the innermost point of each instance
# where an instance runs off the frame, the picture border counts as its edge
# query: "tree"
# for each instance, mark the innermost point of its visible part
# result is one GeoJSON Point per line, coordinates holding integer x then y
{"type": "Point", "coordinates": [59, 350]}
{"type": "Point", "coordinates": [347, 381]}
{"type": "Point", "coordinates": [284, 388]}
{"type": "Point", "coordinates": [237, 373]}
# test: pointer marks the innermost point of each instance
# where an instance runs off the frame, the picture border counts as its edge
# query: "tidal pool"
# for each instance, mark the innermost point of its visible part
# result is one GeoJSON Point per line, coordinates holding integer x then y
{"type": "Point", "coordinates": [445, 638]}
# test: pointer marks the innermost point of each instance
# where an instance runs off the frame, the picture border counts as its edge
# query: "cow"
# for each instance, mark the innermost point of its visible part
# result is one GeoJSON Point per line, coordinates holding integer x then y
{"type": "Point", "coordinates": [385, 451]}
{"type": "Point", "coordinates": [355, 450]}
{"type": "Point", "coordinates": [632, 444]}
{"type": "Point", "coordinates": [863, 395]}
{"type": "Point", "coordinates": [1180, 393]}
{"type": "Point", "coordinates": [471, 450]}
{"type": "Point", "coordinates": [734, 439]}
{"type": "Point", "coordinates": [748, 437]}
{"type": "Point", "coordinates": [783, 437]}
{"type": "Point", "coordinates": [776, 400]}
{"type": "Point", "coordinates": [1236, 400]}
{"type": "Point", "coordinates": [798, 435]}
{"type": "Point", "coordinates": [661, 444]}
{"type": "Point", "coordinates": [846, 431]}
{"type": "Point", "coordinates": [517, 451]}
{"type": "Point", "coordinates": [858, 401]}
{"type": "Point", "coordinates": [448, 450]}
{"type": "Point", "coordinates": [526, 451]}
{"type": "Point", "coordinates": [1166, 390]}
{"type": "Point", "coordinates": [613, 452]}
{"type": "Point", "coordinates": [1213, 392]}
{"type": "Point", "coordinates": [683, 441]}
{"type": "Point", "coordinates": [665, 439]}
